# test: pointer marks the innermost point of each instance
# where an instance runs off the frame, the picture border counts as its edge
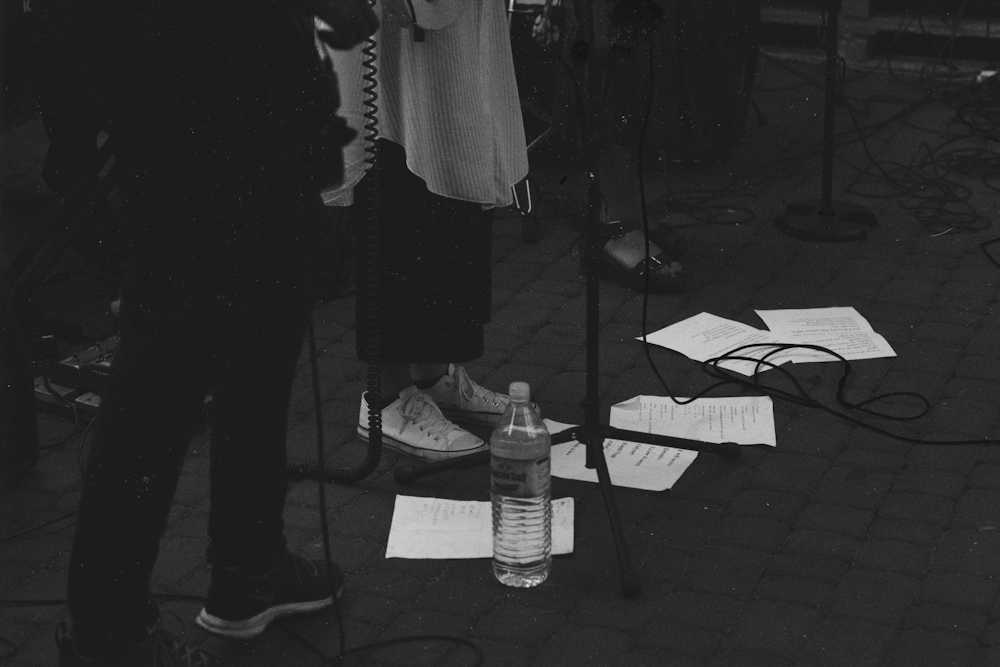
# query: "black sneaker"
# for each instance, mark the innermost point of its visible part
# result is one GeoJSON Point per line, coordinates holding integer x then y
{"type": "Point", "coordinates": [240, 606]}
{"type": "Point", "coordinates": [158, 649]}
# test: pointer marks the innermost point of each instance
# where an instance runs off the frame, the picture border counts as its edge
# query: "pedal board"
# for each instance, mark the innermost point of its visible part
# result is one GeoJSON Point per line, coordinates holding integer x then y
{"type": "Point", "coordinates": [80, 380]}
{"type": "Point", "coordinates": [88, 368]}
{"type": "Point", "coordinates": [65, 401]}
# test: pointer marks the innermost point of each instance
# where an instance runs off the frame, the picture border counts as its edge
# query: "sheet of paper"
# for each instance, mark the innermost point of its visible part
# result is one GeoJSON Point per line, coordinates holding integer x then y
{"type": "Point", "coordinates": [745, 420]}
{"type": "Point", "coordinates": [441, 528]}
{"type": "Point", "coordinates": [841, 329]}
{"type": "Point", "coordinates": [630, 464]}
{"type": "Point", "coordinates": [706, 336]}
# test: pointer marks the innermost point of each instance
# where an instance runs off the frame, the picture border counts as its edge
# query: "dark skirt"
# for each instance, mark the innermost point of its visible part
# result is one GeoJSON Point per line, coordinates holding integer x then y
{"type": "Point", "coordinates": [434, 255]}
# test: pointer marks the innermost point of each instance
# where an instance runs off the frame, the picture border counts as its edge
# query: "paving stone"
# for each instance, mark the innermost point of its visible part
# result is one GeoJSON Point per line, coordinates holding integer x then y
{"type": "Point", "coordinates": [821, 543]}
{"type": "Point", "coordinates": [552, 356]}
{"type": "Point", "coordinates": [699, 610]}
{"type": "Point", "coordinates": [461, 598]}
{"type": "Point", "coordinates": [971, 552]}
{"type": "Point", "coordinates": [777, 628]}
{"type": "Point", "coordinates": [686, 537]}
{"type": "Point", "coordinates": [859, 488]}
{"type": "Point", "coordinates": [676, 506]}
{"type": "Point", "coordinates": [986, 657]}
{"type": "Point", "coordinates": [889, 556]}
{"type": "Point", "coordinates": [971, 419]}
{"type": "Point", "coordinates": [911, 292]}
{"type": "Point", "coordinates": [681, 638]}
{"type": "Point", "coordinates": [911, 532]}
{"type": "Point", "coordinates": [972, 389]}
{"type": "Point", "coordinates": [754, 532]}
{"type": "Point", "coordinates": [985, 477]}
{"type": "Point", "coordinates": [178, 557]}
{"type": "Point", "coordinates": [945, 332]}
{"type": "Point", "coordinates": [711, 480]}
{"type": "Point", "coordinates": [574, 646]}
{"type": "Point", "coordinates": [799, 565]}
{"type": "Point", "coordinates": [983, 341]}
{"type": "Point", "coordinates": [922, 647]}
{"type": "Point", "coordinates": [978, 367]}
{"type": "Point", "coordinates": [647, 656]}
{"type": "Point", "coordinates": [393, 585]}
{"type": "Point", "coordinates": [365, 517]}
{"type": "Point", "coordinates": [811, 592]}
{"type": "Point", "coordinates": [788, 472]}
{"type": "Point", "coordinates": [959, 459]}
{"type": "Point", "coordinates": [777, 505]}
{"type": "Point", "coordinates": [841, 519]}
{"type": "Point", "coordinates": [815, 435]}
{"type": "Point", "coordinates": [495, 654]}
{"type": "Point", "coordinates": [374, 609]}
{"type": "Point", "coordinates": [978, 508]}
{"type": "Point", "coordinates": [992, 635]}
{"type": "Point", "coordinates": [879, 597]}
{"type": "Point", "coordinates": [726, 570]}
{"type": "Point", "coordinates": [911, 507]}
{"type": "Point", "coordinates": [947, 619]}
{"type": "Point", "coordinates": [726, 658]}
{"type": "Point", "coordinates": [422, 622]}
{"type": "Point", "coordinates": [929, 483]}
{"type": "Point", "coordinates": [606, 607]}
{"type": "Point", "coordinates": [874, 460]}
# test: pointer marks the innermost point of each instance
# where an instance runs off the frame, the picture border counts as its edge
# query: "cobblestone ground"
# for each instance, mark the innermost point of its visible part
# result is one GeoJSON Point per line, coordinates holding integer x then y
{"type": "Point", "coordinates": [840, 547]}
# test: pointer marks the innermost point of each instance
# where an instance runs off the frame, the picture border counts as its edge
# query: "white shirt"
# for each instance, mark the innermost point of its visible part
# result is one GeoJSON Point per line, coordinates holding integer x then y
{"type": "Point", "coordinates": [451, 101]}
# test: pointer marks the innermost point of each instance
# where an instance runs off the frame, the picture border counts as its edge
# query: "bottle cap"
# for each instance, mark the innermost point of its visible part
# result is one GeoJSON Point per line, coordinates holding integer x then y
{"type": "Point", "coordinates": [519, 391]}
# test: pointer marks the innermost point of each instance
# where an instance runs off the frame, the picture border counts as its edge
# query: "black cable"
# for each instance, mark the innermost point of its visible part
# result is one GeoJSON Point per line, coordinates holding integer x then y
{"type": "Point", "coordinates": [369, 208]}
{"type": "Point", "coordinates": [62, 399]}
{"type": "Point", "coordinates": [712, 366]}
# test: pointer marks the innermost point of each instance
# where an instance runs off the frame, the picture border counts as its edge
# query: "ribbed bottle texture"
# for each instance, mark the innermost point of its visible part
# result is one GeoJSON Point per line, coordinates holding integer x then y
{"type": "Point", "coordinates": [520, 488]}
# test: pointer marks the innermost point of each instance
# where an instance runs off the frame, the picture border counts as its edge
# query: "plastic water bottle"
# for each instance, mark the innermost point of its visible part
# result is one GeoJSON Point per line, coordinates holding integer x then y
{"type": "Point", "coordinates": [520, 488]}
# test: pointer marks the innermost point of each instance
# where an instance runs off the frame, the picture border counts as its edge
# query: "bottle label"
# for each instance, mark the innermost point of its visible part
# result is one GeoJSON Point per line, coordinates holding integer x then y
{"type": "Point", "coordinates": [520, 479]}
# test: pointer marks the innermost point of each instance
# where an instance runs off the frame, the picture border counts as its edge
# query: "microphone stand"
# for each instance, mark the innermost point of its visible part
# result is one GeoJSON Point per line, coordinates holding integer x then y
{"type": "Point", "coordinates": [826, 219]}
{"type": "Point", "coordinates": [591, 57]}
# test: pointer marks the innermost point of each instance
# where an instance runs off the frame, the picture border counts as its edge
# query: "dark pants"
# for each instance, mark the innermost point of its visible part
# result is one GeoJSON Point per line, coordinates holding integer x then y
{"type": "Point", "coordinates": [153, 403]}
{"type": "Point", "coordinates": [214, 300]}
{"type": "Point", "coordinates": [434, 265]}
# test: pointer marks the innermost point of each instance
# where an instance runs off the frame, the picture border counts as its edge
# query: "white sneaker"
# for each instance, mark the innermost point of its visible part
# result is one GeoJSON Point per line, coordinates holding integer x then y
{"type": "Point", "coordinates": [413, 425]}
{"type": "Point", "coordinates": [463, 400]}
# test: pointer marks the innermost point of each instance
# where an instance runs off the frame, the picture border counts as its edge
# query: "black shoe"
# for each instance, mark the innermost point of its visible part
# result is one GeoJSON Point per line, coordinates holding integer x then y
{"type": "Point", "coordinates": [158, 649]}
{"type": "Point", "coordinates": [623, 258]}
{"type": "Point", "coordinates": [240, 605]}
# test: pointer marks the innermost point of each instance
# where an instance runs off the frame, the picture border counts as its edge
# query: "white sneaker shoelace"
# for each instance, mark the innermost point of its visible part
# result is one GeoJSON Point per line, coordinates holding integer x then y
{"type": "Point", "coordinates": [420, 411]}
{"type": "Point", "coordinates": [473, 396]}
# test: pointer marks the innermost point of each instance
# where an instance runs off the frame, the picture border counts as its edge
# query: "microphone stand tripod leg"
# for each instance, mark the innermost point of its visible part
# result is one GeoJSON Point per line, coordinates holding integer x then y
{"type": "Point", "coordinates": [631, 588]}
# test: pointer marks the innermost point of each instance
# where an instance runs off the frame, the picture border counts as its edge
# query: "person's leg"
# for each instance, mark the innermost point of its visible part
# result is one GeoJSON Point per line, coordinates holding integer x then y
{"type": "Point", "coordinates": [149, 410]}
{"type": "Point", "coordinates": [430, 305]}
{"type": "Point", "coordinates": [250, 404]}
{"type": "Point", "coordinates": [624, 252]}
{"type": "Point", "coordinates": [255, 579]}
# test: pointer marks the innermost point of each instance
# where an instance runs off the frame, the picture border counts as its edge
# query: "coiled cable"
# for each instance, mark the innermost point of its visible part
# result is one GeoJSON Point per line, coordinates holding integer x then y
{"type": "Point", "coordinates": [368, 204]}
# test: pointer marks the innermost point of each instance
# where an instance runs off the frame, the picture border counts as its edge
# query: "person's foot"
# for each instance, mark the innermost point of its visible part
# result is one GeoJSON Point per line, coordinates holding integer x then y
{"type": "Point", "coordinates": [240, 605]}
{"type": "Point", "coordinates": [413, 425]}
{"type": "Point", "coordinates": [464, 401]}
{"type": "Point", "coordinates": [157, 649]}
{"type": "Point", "coordinates": [624, 258]}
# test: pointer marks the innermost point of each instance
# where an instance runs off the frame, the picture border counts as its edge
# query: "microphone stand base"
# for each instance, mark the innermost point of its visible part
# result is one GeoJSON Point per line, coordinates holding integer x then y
{"type": "Point", "coordinates": [836, 222]}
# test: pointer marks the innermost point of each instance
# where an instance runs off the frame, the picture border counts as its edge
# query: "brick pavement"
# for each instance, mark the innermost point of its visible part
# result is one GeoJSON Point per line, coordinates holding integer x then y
{"type": "Point", "coordinates": [840, 547]}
